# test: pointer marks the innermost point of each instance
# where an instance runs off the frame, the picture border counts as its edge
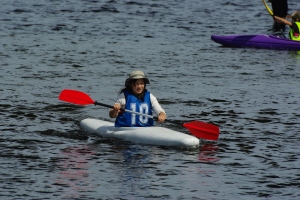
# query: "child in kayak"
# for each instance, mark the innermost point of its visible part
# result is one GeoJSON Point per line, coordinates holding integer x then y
{"type": "Point", "coordinates": [136, 98]}
{"type": "Point", "coordinates": [294, 25]}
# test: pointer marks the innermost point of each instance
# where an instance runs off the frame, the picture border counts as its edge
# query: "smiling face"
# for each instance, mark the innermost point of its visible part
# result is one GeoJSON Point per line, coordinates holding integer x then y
{"type": "Point", "coordinates": [138, 86]}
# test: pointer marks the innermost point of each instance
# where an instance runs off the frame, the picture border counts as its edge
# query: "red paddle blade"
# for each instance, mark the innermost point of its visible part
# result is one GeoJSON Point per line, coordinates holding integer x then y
{"type": "Point", "coordinates": [203, 130]}
{"type": "Point", "coordinates": [75, 97]}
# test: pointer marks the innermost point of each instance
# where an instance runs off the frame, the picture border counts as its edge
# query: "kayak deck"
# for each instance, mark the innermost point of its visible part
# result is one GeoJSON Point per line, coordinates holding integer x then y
{"type": "Point", "coordinates": [260, 41]}
{"type": "Point", "coordinates": [159, 136]}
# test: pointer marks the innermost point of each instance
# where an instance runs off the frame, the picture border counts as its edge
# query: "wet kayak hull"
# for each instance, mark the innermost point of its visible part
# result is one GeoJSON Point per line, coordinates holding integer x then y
{"type": "Point", "coordinates": [143, 135]}
{"type": "Point", "coordinates": [260, 41]}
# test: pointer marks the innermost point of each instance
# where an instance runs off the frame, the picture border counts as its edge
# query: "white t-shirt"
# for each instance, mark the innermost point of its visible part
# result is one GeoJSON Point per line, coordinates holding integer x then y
{"type": "Point", "coordinates": [156, 108]}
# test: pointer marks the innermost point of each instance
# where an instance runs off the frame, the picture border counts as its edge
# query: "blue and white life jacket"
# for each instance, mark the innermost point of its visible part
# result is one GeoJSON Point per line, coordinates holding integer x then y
{"type": "Point", "coordinates": [135, 104]}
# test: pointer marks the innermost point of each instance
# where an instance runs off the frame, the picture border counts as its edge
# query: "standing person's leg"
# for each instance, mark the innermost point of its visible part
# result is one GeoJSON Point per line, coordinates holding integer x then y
{"type": "Point", "coordinates": [280, 9]}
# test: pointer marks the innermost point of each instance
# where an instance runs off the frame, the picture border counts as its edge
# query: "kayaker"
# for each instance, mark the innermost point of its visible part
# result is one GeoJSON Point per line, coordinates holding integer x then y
{"type": "Point", "coordinates": [136, 98]}
{"type": "Point", "coordinates": [294, 24]}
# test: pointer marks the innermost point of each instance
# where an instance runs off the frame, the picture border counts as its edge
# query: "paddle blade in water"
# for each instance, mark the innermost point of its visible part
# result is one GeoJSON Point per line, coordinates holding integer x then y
{"type": "Point", "coordinates": [75, 97]}
{"type": "Point", "coordinates": [203, 130]}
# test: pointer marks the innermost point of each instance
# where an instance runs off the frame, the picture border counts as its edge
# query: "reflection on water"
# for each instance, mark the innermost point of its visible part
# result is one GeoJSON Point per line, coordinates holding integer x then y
{"type": "Point", "coordinates": [74, 172]}
{"type": "Point", "coordinates": [209, 153]}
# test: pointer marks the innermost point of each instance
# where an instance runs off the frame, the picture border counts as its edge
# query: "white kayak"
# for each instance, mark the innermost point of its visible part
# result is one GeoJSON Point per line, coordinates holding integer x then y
{"type": "Point", "coordinates": [143, 135]}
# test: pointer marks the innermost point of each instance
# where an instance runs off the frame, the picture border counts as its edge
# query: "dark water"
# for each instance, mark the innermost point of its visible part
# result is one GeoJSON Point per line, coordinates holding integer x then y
{"type": "Point", "coordinates": [91, 45]}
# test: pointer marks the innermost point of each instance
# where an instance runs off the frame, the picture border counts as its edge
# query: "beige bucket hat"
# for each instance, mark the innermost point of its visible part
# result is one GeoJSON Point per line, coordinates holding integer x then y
{"type": "Point", "coordinates": [136, 75]}
{"type": "Point", "coordinates": [295, 15]}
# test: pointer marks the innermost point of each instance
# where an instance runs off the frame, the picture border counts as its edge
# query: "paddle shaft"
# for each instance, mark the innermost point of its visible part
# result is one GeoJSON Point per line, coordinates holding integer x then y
{"type": "Point", "coordinates": [109, 106]}
{"type": "Point", "coordinates": [268, 8]}
{"type": "Point", "coordinates": [137, 113]}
